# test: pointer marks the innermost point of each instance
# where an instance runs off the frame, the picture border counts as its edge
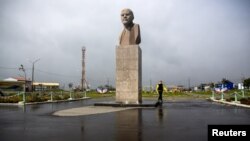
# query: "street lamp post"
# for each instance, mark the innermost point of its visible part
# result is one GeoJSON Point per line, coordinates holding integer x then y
{"type": "Point", "coordinates": [85, 92]}
{"type": "Point", "coordinates": [33, 68]}
{"type": "Point", "coordinates": [21, 68]}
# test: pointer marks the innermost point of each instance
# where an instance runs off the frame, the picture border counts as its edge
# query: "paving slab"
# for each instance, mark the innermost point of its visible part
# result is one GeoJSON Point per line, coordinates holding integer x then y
{"type": "Point", "coordinates": [176, 120]}
{"type": "Point", "coordinates": [89, 110]}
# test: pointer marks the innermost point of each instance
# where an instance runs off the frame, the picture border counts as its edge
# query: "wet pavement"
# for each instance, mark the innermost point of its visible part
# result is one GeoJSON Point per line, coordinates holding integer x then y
{"type": "Point", "coordinates": [175, 120]}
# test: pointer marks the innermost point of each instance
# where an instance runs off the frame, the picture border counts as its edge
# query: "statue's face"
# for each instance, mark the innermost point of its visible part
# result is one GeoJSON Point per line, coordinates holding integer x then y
{"type": "Point", "coordinates": [127, 16]}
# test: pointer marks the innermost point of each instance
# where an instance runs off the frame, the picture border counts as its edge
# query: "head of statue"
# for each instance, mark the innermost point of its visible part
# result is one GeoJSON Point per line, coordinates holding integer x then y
{"type": "Point", "coordinates": [160, 82]}
{"type": "Point", "coordinates": [127, 17]}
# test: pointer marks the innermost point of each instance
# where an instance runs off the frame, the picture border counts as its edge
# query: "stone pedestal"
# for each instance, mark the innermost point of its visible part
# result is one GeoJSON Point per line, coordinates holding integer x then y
{"type": "Point", "coordinates": [128, 74]}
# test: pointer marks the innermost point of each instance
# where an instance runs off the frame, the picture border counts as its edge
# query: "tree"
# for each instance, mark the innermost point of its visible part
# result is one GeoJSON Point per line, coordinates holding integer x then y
{"type": "Point", "coordinates": [224, 81]}
{"type": "Point", "coordinates": [211, 84]}
{"type": "Point", "coordinates": [109, 87]}
{"type": "Point", "coordinates": [246, 82]}
{"type": "Point", "coordinates": [70, 85]}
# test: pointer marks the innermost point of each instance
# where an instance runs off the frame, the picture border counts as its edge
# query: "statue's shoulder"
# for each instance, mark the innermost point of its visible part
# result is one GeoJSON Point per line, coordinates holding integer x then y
{"type": "Point", "coordinates": [136, 25]}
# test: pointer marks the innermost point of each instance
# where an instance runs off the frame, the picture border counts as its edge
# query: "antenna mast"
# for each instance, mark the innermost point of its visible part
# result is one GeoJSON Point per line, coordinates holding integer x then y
{"type": "Point", "coordinates": [83, 81]}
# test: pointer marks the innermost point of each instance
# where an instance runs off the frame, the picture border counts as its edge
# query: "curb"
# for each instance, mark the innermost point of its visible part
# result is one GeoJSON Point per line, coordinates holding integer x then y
{"type": "Point", "coordinates": [230, 103]}
{"type": "Point", "coordinates": [44, 102]}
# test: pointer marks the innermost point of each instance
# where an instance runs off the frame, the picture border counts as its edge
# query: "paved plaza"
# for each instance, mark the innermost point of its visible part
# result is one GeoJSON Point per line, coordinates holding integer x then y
{"type": "Point", "coordinates": [79, 120]}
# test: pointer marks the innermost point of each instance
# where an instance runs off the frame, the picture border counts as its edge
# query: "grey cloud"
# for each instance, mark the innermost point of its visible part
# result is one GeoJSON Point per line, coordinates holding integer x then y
{"type": "Point", "coordinates": [200, 40]}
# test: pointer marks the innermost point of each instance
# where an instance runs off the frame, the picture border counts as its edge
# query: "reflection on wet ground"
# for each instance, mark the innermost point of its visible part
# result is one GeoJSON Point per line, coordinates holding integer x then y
{"type": "Point", "coordinates": [181, 120]}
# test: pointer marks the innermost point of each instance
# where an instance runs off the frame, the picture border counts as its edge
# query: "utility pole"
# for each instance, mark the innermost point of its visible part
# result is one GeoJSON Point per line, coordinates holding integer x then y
{"type": "Point", "coordinates": [150, 83]}
{"type": "Point", "coordinates": [108, 82]}
{"type": "Point", "coordinates": [33, 68]}
{"type": "Point", "coordinates": [188, 83]}
{"type": "Point", "coordinates": [83, 80]}
{"type": "Point", "coordinates": [21, 68]}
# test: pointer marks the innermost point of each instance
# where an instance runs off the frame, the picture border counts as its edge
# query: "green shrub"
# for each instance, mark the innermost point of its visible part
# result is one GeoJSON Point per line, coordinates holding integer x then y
{"type": "Point", "coordinates": [33, 98]}
{"type": "Point", "coordinates": [12, 99]}
{"type": "Point", "coordinates": [57, 97]}
{"type": "Point", "coordinates": [230, 99]}
{"type": "Point", "coordinates": [65, 96]}
{"type": "Point", "coordinates": [245, 101]}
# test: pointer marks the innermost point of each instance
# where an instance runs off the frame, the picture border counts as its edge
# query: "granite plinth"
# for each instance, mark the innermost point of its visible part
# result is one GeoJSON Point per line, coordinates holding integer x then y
{"type": "Point", "coordinates": [120, 104]}
{"type": "Point", "coordinates": [128, 74]}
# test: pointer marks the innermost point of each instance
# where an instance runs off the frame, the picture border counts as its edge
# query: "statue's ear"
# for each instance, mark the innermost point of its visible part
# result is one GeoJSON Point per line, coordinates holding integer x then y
{"type": "Point", "coordinates": [133, 17]}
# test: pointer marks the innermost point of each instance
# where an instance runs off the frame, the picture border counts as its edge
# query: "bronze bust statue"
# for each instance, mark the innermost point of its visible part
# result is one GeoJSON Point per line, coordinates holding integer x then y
{"type": "Point", "coordinates": [131, 32]}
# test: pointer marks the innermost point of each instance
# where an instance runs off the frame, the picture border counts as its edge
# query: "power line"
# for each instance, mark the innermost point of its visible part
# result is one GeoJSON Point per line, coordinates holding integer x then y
{"type": "Point", "coordinates": [12, 68]}
{"type": "Point", "coordinates": [42, 71]}
{"type": "Point", "coordinates": [57, 74]}
{"type": "Point", "coordinates": [8, 68]}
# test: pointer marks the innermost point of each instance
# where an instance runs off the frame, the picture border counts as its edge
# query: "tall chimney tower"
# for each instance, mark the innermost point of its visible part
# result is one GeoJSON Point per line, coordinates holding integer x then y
{"type": "Point", "coordinates": [83, 81]}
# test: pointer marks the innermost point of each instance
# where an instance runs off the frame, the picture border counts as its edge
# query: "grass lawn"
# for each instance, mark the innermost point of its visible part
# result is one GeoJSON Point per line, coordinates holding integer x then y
{"type": "Point", "coordinates": [64, 95]}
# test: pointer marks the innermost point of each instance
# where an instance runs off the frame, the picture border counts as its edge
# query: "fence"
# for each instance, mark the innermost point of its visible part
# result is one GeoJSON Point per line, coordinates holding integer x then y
{"type": "Point", "coordinates": [229, 96]}
{"type": "Point", "coordinates": [41, 96]}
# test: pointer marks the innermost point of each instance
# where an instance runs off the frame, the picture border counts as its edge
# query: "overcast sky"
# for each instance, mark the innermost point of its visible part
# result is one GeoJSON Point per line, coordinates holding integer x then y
{"type": "Point", "coordinates": [198, 40]}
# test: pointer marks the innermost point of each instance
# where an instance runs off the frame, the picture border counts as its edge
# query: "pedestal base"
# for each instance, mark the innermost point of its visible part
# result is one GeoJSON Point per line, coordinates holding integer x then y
{"type": "Point", "coordinates": [128, 74]}
{"type": "Point", "coordinates": [119, 104]}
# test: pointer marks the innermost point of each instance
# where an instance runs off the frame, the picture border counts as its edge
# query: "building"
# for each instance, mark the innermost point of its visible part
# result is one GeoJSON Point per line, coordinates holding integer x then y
{"type": "Point", "coordinates": [175, 88]}
{"type": "Point", "coordinates": [228, 85]}
{"type": "Point", "coordinates": [45, 86]}
{"type": "Point", "coordinates": [15, 84]}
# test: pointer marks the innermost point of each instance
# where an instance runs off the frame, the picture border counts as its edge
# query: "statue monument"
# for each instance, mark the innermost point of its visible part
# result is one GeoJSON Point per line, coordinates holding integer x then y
{"type": "Point", "coordinates": [128, 62]}
{"type": "Point", "coordinates": [131, 32]}
{"type": "Point", "coordinates": [128, 66]}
